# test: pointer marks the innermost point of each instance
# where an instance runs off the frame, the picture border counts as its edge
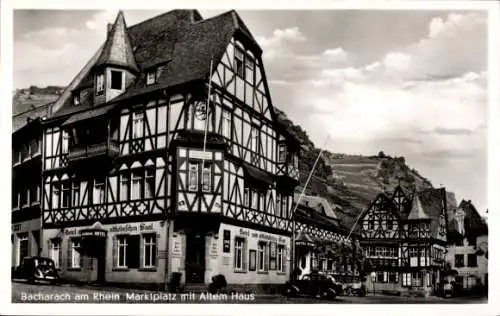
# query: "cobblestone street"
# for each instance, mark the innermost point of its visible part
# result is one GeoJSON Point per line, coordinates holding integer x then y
{"type": "Point", "coordinates": [41, 293]}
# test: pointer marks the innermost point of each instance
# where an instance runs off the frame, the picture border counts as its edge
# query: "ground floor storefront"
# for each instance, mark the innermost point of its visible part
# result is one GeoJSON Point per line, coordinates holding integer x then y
{"type": "Point", "coordinates": [245, 256]}
{"type": "Point", "coordinates": [124, 253]}
{"type": "Point", "coordinates": [25, 240]}
{"type": "Point", "coordinates": [148, 253]}
{"type": "Point", "coordinates": [424, 282]}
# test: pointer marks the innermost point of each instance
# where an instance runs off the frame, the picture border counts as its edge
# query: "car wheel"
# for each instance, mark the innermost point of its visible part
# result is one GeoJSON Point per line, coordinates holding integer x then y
{"type": "Point", "coordinates": [289, 291]}
{"type": "Point", "coordinates": [328, 294]}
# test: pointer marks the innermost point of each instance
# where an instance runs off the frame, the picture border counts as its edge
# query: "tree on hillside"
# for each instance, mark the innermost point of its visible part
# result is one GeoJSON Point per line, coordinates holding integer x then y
{"type": "Point", "coordinates": [381, 154]}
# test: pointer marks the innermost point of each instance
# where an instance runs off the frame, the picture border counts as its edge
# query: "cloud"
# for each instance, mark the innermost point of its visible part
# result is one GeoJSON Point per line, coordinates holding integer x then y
{"type": "Point", "coordinates": [100, 20]}
{"type": "Point", "coordinates": [284, 51]}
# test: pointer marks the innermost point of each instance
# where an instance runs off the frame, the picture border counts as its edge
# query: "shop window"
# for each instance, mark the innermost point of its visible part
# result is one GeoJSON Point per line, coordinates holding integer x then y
{"type": "Point", "coordinates": [128, 247]}
{"type": "Point", "coordinates": [149, 250]}
{"type": "Point", "coordinates": [393, 277]}
{"type": "Point", "coordinates": [459, 261]}
{"type": "Point", "coordinates": [55, 252]}
{"type": "Point", "coordinates": [380, 277]}
{"type": "Point", "coordinates": [281, 258]}
{"type": "Point", "coordinates": [469, 282]}
{"type": "Point", "coordinates": [76, 259]}
{"type": "Point", "coordinates": [122, 251]}
{"type": "Point", "coordinates": [406, 279]}
{"type": "Point", "coordinates": [239, 246]}
{"type": "Point", "coordinates": [416, 279]}
{"type": "Point", "coordinates": [472, 260]}
{"type": "Point", "coordinates": [23, 247]}
{"type": "Point", "coordinates": [261, 256]}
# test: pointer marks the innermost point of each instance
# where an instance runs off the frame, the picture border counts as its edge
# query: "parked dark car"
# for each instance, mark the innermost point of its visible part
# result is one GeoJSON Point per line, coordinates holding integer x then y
{"type": "Point", "coordinates": [313, 285]}
{"type": "Point", "coordinates": [36, 269]}
{"type": "Point", "coordinates": [355, 289]}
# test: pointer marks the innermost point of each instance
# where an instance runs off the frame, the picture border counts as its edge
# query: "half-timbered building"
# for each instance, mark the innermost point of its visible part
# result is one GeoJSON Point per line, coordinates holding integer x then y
{"type": "Point", "coordinates": [404, 238]}
{"type": "Point", "coordinates": [26, 182]}
{"type": "Point", "coordinates": [322, 243]}
{"type": "Point", "coordinates": [166, 154]}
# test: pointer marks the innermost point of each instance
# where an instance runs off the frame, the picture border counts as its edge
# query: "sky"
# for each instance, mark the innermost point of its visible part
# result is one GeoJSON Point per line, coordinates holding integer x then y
{"type": "Point", "coordinates": [409, 83]}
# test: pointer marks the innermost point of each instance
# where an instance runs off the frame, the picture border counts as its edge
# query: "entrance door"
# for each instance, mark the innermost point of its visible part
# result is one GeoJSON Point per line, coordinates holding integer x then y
{"type": "Point", "coordinates": [23, 247]}
{"type": "Point", "coordinates": [195, 258]}
{"type": "Point", "coordinates": [101, 262]}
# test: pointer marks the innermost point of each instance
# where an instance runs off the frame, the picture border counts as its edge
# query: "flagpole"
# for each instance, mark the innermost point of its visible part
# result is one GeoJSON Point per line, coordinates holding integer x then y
{"type": "Point", "coordinates": [206, 119]}
{"type": "Point", "coordinates": [292, 257]}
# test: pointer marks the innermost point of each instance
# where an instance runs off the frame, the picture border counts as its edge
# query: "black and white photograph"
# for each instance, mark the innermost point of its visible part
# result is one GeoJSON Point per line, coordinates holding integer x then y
{"type": "Point", "coordinates": [225, 155]}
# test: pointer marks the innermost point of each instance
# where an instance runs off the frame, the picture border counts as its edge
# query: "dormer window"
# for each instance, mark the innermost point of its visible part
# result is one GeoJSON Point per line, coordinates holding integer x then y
{"type": "Point", "coordinates": [99, 84]}
{"type": "Point", "coordinates": [151, 76]}
{"type": "Point", "coordinates": [116, 80]}
{"type": "Point", "coordinates": [76, 99]}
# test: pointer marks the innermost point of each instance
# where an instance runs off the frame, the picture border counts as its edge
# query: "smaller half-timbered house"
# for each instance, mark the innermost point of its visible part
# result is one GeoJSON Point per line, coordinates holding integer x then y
{"type": "Point", "coordinates": [323, 243]}
{"type": "Point", "coordinates": [26, 182]}
{"type": "Point", "coordinates": [404, 238]}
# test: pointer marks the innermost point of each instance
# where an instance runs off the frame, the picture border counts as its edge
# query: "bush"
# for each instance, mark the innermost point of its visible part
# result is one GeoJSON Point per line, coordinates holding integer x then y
{"type": "Point", "coordinates": [218, 283]}
{"type": "Point", "coordinates": [175, 282]}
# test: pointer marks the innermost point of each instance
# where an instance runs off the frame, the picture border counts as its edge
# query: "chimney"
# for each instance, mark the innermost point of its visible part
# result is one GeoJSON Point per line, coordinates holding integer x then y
{"type": "Point", "coordinates": [110, 26]}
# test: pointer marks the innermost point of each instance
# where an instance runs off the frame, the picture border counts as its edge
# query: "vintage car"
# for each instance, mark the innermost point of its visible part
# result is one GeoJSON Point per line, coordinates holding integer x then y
{"type": "Point", "coordinates": [36, 269]}
{"type": "Point", "coordinates": [314, 285]}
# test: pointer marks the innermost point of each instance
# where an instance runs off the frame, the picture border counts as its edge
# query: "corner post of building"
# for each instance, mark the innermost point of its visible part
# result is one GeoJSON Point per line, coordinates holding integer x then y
{"type": "Point", "coordinates": [169, 223]}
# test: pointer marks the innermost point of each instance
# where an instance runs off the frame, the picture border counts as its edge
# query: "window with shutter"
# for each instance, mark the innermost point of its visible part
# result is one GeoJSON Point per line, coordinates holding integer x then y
{"type": "Point", "coordinates": [115, 251]}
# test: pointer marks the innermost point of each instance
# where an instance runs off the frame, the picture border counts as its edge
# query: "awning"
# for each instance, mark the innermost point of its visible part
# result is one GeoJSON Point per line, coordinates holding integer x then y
{"type": "Point", "coordinates": [87, 115]}
{"type": "Point", "coordinates": [303, 239]}
{"type": "Point", "coordinates": [258, 174]}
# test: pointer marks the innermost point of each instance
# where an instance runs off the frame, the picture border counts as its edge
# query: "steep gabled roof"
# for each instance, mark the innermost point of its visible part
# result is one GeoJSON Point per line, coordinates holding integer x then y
{"type": "Point", "coordinates": [433, 201]}
{"type": "Point", "coordinates": [117, 49]}
{"type": "Point", "coordinates": [180, 40]}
